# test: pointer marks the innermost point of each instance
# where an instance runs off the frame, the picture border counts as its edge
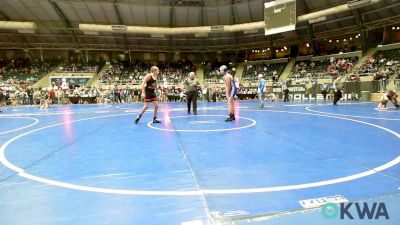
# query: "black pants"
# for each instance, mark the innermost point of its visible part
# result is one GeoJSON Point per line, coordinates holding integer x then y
{"type": "Point", "coordinates": [337, 96]}
{"type": "Point", "coordinates": [286, 98]}
{"type": "Point", "coordinates": [324, 92]}
{"type": "Point", "coordinates": [192, 97]}
{"type": "Point", "coordinates": [395, 103]}
{"type": "Point", "coordinates": [117, 98]}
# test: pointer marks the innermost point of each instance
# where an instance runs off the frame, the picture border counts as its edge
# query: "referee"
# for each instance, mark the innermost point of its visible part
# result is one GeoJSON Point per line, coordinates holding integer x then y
{"type": "Point", "coordinates": [2, 99]}
{"type": "Point", "coordinates": [337, 86]}
{"type": "Point", "coordinates": [191, 84]}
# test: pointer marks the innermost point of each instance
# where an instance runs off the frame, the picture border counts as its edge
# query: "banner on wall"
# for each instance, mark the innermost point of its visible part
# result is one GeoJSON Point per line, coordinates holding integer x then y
{"type": "Point", "coordinates": [292, 89]}
{"type": "Point", "coordinates": [74, 81]}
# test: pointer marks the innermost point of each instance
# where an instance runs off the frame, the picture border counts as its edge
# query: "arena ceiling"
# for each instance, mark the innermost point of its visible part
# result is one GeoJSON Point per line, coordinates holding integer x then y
{"type": "Point", "coordinates": [58, 20]}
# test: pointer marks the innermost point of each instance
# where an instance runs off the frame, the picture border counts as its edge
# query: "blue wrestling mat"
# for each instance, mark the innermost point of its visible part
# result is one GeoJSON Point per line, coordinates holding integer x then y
{"type": "Point", "coordinates": [90, 164]}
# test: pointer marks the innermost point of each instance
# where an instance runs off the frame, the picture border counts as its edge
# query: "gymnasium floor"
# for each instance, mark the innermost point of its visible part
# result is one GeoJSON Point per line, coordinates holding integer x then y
{"type": "Point", "coordinates": [90, 164]}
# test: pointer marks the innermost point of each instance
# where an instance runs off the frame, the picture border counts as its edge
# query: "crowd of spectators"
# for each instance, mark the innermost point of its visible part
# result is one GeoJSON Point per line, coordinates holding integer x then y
{"type": "Point", "coordinates": [381, 65]}
{"type": "Point", "coordinates": [125, 72]}
{"type": "Point", "coordinates": [327, 68]}
{"type": "Point", "coordinates": [270, 72]}
{"type": "Point", "coordinates": [23, 71]}
{"type": "Point", "coordinates": [119, 80]}
{"type": "Point", "coordinates": [80, 67]}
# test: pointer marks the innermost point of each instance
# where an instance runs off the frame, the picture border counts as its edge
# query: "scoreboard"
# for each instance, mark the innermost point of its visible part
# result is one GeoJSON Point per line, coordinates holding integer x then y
{"type": "Point", "coordinates": [279, 16]}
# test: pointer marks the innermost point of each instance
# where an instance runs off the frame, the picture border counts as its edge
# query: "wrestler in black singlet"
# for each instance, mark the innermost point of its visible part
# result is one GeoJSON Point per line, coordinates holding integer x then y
{"type": "Point", "coordinates": [150, 90]}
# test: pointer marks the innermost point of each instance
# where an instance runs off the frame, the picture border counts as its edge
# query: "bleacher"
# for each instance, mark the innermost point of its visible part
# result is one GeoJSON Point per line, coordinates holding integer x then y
{"type": "Point", "coordinates": [80, 67]}
{"type": "Point", "coordinates": [211, 70]}
{"type": "Point", "coordinates": [133, 73]}
{"type": "Point", "coordinates": [382, 63]}
{"type": "Point", "coordinates": [271, 72]}
{"type": "Point", "coordinates": [325, 68]}
{"type": "Point", "coordinates": [212, 74]}
{"type": "Point", "coordinates": [23, 71]}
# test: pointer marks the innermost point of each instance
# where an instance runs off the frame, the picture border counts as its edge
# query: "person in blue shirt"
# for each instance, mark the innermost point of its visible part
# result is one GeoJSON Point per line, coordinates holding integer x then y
{"type": "Point", "coordinates": [324, 90]}
{"type": "Point", "coordinates": [262, 88]}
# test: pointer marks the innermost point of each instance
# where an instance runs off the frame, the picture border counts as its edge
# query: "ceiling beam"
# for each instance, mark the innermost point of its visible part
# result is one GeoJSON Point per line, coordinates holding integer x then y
{"type": "Point", "coordinates": [381, 8]}
{"type": "Point", "coordinates": [172, 18]}
{"type": "Point", "coordinates": [4, 16]}
{"type": "Point", "coordinates": [202, 13]}
{"type": "Point", "coordinates": [152, 48]}
{"type": "Point", "coordinates": [250, 13]}
{"type": "Point", "coordinates": [68, 26]}
{"type": "Point", "coordinates": [202, 19]}
{"type": "Point", "coordinates": [26, 44]}
{"type": "Point", "coordinates": [334, 21]}
{"type": "Point", "coordinates": [364, 33]}
{"type": "Point", "coordinates": [233, 20]}
{"type": "Point", "coordinates": [310, 29]}
{"type": "Point", "coordinates": [120, 21]}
